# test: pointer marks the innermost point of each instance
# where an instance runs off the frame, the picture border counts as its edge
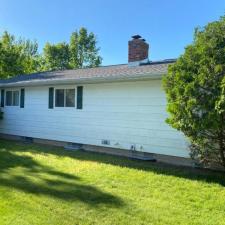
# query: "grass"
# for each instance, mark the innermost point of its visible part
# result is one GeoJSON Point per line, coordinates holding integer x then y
{"type": "Point", "coordinates": [47, 185]}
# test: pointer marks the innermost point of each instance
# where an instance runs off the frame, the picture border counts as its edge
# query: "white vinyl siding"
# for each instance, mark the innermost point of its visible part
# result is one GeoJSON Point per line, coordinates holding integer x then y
{"type": "Point", "coordinates": [125, 113]}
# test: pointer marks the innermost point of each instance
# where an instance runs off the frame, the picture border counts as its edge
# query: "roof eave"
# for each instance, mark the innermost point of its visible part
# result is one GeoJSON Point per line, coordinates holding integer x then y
{"type": "Point", "coordinates": [46, 82]}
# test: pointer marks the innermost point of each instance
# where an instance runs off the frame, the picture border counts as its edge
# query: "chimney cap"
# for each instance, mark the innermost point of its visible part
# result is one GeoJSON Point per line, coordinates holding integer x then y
{"type": "Point", "coordinates": [137, 36]}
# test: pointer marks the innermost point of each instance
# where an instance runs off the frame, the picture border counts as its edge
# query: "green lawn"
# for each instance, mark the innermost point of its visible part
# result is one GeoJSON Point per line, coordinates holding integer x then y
{"type": "Point", "coordinates": [42, 185]}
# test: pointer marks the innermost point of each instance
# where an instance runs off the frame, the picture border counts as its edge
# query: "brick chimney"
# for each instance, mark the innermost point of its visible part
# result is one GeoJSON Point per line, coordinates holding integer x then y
{"type": "Point", "coordinates": [137, 51]}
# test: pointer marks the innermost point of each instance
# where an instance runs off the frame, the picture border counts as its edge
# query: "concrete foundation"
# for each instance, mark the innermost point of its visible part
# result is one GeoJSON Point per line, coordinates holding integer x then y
{"type": "Point", "coordinates": [108, 150]}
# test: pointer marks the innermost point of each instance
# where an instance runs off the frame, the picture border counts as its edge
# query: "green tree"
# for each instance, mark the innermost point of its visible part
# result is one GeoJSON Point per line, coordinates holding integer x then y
{"type": "Point", "coordinates": [17, 56]}
{"type": "Point", "coordinates": [29, 57]}
{"type": "Point", "coordinates": [83, 50]}
{"type": "Point", "coordinates": [195, 88]}
{"type": "Point", "coordinates": [20, 56]}
{"type": "Point", "coordinates": [80, 52]}
{"type": "Point", "coordinates": [56, 57]}
{"type": "Point", "coordinates": [9, 56]}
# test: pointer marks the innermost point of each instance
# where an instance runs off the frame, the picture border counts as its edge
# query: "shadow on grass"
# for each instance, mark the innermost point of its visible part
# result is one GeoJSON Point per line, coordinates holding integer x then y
{"type": "Point", "coordinates": [32, 177]}
{"type": "Point", "coordinates": [158, 168]}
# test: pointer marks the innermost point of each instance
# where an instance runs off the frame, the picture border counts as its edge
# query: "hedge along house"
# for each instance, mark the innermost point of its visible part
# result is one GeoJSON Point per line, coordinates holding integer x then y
{"type": "Point", "coordinates": [118, 109]}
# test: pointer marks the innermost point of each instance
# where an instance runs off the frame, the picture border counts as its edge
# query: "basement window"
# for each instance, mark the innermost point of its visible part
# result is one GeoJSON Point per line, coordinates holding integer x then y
{"type": "Point", "coordinates": [65, 98]}
{"type": "Point", "coordinates": [12, 98]}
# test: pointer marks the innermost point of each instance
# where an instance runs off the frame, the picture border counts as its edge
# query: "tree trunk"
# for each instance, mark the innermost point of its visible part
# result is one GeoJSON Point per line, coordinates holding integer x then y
{"type": "Point", "coordinates": [221, 142]}
{"type": "Point", "coordinates": [222, 150]}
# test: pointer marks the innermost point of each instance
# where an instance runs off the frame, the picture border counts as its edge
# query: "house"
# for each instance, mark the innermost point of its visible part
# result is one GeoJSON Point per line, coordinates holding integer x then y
{"type": "Point", "coordinates": [119, 109]}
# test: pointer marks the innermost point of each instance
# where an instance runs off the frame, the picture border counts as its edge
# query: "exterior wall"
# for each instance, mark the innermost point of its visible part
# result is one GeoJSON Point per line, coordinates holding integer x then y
{"type": "Point", "coordinates": [125, 113]}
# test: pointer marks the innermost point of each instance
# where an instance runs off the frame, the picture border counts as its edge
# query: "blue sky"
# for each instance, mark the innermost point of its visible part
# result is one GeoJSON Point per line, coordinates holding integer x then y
{"type": "Point", "coordinates": [167, 26]}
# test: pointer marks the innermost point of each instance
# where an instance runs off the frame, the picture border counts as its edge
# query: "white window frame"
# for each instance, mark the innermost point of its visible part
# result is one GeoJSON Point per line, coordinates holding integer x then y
{"type": "Point", "coordinates": [64, 106]}
{"type": "Point", "coordinates": [12, 90]}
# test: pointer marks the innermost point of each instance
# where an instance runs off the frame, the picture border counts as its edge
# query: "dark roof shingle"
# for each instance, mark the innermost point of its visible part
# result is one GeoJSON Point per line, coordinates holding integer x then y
{"type": "Point", "coordinates": [122, 71]}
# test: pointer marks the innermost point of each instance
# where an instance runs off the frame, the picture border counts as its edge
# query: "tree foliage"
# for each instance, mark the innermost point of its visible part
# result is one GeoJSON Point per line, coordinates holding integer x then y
{"type": "Point", "coordinates": [83, 50]}
{"type": "Point", "coordinates": [56, 57]}
{"type": "Point", "coordinates": [80, 52]}
{"type": "Point", "coordinates": [17, 56]}
{"type": "Point", "coordinates": [20, 56]}
{"type": "Point", "coordinates": [195, 88]}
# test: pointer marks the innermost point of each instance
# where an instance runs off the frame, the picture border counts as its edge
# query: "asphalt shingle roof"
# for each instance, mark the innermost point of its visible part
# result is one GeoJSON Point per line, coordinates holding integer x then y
{"type": "Point", "coordinates": [122, 71]}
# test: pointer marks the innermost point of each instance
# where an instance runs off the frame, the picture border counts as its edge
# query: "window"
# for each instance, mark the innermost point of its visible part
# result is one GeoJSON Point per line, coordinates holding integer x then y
{"type": "Point", "coordinates": [12, 98]}
{"type": "Point", "coordinates": [59, 98]}
{"type": "Point", "coordinates": [8, 98]}
{"type": "Point", "coordinates": [65, 98]}
{"type": "Point", "coordinates": [16, 98]}
{"type": "Point", "coordinates": [70, 98]}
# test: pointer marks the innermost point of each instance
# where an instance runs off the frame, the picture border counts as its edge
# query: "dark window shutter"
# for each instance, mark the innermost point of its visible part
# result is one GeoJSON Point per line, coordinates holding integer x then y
{"type": "Point", "coordinates": [50, 98]}
{"type": "Point", "coordinates": [2, 98]}
{"type": "Point", "coordinates": [80, 97]}
{"type": "Point", "coordinates": [22, 97]}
